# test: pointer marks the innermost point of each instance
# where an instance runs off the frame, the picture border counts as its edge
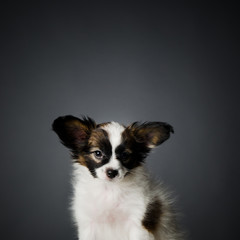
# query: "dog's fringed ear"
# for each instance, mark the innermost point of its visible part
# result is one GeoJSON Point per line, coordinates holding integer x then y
{"type": "Point", "coordinates": [151, 134]}
{"type": "Point", "coordinates": [72, 131]}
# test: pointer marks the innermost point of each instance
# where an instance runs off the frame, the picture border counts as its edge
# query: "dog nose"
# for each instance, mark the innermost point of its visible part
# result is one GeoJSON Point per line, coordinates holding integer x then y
{"type": "Point", "coordinates": [112, 173]}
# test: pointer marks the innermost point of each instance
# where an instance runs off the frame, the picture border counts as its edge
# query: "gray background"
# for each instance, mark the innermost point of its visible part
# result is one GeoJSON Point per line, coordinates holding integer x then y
{"type": "Point", "coordinates": [175, 62]}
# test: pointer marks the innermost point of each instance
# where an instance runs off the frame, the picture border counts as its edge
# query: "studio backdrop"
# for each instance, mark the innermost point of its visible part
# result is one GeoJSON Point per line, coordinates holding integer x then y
{"type": "Point", "coordinates": [175, 62]}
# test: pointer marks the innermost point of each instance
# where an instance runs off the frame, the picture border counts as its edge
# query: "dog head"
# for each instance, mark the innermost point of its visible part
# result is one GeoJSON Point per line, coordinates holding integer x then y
{"type": "Point", "coordinates": [110, 150]}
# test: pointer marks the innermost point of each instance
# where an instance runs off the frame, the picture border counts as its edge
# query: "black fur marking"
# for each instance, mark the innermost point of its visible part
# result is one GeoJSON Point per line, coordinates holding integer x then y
{"type": "Point", "coordinates": [130, 152]}
{"type": "Point", "coordinates": [101, 140]}
{"type": "Point", "coordinates": [152, 215]}
{"type": "Point", "coordinates": [91, 166]}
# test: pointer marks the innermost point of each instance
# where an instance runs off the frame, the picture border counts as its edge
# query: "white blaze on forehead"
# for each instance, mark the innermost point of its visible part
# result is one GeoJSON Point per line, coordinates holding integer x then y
{"type": "Point", "coordinates": [114, 131]}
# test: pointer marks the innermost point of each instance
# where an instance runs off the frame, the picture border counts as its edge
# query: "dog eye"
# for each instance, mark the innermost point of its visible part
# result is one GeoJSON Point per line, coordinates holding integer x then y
{"type": "Point", "coordinates": [124, 156]}
{"type": "Point", "coordinates": [98, 154]}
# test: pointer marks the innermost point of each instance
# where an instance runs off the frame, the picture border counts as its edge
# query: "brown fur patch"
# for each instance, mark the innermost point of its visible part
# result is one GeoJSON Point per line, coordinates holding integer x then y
{"type": "Point", "coordinates": [100, 125]}
{"type": "Point", "coordinates": [151, 133]}
{"type": "Point", "coordinates": [82, 161]}
{"type": "Point", "coordinates": [97, 135]}
{"type": "Point", "coordinates": [151, 136]}
{"type": "Point", "coordinates": [152, 215]}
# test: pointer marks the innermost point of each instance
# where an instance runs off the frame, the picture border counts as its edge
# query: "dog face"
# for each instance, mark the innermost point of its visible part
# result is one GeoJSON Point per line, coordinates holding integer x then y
{"type": "Point", "coordinates": [110, 150]}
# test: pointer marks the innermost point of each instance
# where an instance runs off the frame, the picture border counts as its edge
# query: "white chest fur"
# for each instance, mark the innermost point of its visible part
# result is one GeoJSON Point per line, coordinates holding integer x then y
{"type": "Point", "coordinates": [109, 210]}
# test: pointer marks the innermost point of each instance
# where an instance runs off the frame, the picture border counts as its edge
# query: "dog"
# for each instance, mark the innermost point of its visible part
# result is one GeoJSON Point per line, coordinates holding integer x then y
{"type": "Point", "coordinates": [114, 197]}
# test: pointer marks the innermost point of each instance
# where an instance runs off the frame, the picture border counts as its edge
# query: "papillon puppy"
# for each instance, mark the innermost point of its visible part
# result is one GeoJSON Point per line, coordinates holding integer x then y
{"type": "Point", "coordinates": [114, 197]}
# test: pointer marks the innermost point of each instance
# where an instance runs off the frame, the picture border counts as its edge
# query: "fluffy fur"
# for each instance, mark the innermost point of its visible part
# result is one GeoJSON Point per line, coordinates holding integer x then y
{"type": "Point", "coordinates": [113, 194]}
